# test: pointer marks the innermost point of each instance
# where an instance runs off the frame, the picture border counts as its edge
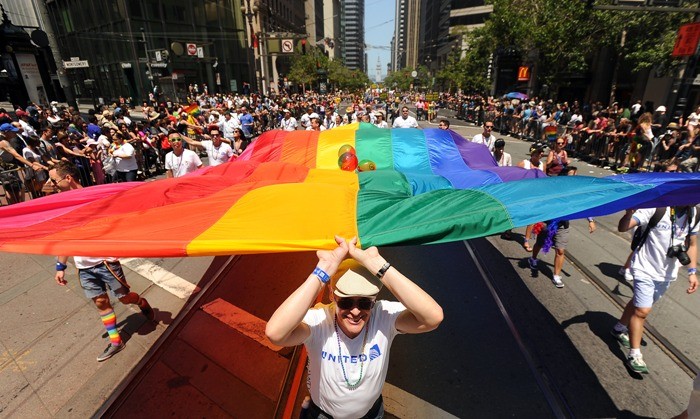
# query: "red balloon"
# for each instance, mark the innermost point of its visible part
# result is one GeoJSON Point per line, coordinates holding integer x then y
{"type": "Point", "coordinates": [367, 166]}
{"type": "Point", "coordinates": [346, 148]}
{"type": "Point", "coordinates": [347, 162]}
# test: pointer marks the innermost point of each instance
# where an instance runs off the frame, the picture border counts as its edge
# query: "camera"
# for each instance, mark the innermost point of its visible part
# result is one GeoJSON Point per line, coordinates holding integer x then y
{"type": "Point", "coordinates": [678, 251]}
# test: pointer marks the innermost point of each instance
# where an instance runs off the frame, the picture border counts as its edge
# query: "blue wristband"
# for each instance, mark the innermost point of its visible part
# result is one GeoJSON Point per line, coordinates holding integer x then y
{"type": "Point", "coordinates": [322, 275]}
{"type": "Point", "coordinates": [61, 267]}
{"type": "Point", "coordinates": [692, 271]}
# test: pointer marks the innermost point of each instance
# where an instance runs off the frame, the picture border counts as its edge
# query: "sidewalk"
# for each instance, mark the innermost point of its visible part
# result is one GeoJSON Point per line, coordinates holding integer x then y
{"type": "Point", "coordinates": [50, 335]}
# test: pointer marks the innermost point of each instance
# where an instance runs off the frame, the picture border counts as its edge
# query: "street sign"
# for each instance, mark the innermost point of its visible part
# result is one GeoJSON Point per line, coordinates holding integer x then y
{"type": "Point", "coordinates": [126, 65]}
{"type": "Point", "coordinates": [200, 52]}
{"type": "Point", "coordinates": [287, 46]}
{"type": "Point", "coordinates": [159, 65]}
{"type": "Point", "coordinates": [174, 76]}
{"type": "Point", "coordinates": [159, 57]}
{"type": "Point", "coordinates": [191, 49]}
{"type": "Point", "coordinates": [218, 79]}
{"type": "Point", "coordinates": [414, 73]}
{"type": "Point", "coordinates": [687, 40]}
{"type": "Point", "coordinates": [75, 64]}
{"type": "Point", "coordinates": [696, 81]}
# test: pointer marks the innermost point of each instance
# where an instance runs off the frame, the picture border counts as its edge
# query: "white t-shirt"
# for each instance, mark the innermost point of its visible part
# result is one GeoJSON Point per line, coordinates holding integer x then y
{"type": "Point", "coordinates": [409, 122]}
{"type": "Point", "coordinates": [650, 260]}
{"type": "Point", "coordinates": [125, 164]}
{"type": "Point", "coordinates": [84, 262]}
{"type": "Point", "coordinates": [505, 160]}
{"type": "Point", "coordinates": [305, 119]}
{"type": "Point", "coordinates": [289, 124]}
{"type": "Point", "coordinates": [488, 142]}
{"type": "Point", "coordinates": [217, 155]}
{"type": "Point", "coordinates": [321, 128]}
{"type": "Point", "coordinates": [382, 124]}
{"type": "Point", "coordinates": [188, 162]}
{"type": "Point", "coordinates": [328, 388]}
{"type": "Point", "coordinates": [693, 119]}
{"type": "Point", "coordinates": [527, 164]}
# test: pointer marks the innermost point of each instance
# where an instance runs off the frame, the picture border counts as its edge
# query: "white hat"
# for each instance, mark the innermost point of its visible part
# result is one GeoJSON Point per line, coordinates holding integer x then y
{"type": "Point", "coordinates": [661, 108]}
{"type": "Point", "coordinates": [355, 281]}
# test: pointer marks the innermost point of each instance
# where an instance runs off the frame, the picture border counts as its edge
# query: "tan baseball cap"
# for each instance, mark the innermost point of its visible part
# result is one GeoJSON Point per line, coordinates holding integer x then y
{"type": "Point", "coordinates": [354, 280]}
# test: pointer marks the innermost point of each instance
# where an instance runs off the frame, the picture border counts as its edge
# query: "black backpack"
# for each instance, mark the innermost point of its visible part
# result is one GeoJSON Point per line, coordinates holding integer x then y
{"type": "Point", "coordinates": [640, 235]}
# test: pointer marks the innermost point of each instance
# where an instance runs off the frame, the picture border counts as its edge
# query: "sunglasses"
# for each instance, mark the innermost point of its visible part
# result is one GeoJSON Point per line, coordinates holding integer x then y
{"type": "Point", "coordinates": [350, 303]}
{"type": "Point", "coordinates": [56, 182]}
{"type": "Point", "coordinates": [175, 140]}
{"type": "Point", "coordinates": [560, 143]}
{"type": "Point", "coordinates": [488, 126]}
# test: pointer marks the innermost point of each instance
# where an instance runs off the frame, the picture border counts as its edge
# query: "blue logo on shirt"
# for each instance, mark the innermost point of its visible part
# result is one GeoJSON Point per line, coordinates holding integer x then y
{"type": "Point", "coordinates": [374, 353]}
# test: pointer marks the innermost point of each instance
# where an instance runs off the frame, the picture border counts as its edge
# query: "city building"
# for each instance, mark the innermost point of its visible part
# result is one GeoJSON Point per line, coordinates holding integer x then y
{"type": "Point", "coordinates": [407, 24]}
{"type": "Point", "coordinates": [352, 33]}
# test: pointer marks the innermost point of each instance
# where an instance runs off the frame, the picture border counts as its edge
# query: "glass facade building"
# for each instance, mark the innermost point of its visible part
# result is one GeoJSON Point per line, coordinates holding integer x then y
{"type": "Point", "coordinates": [187, 42]}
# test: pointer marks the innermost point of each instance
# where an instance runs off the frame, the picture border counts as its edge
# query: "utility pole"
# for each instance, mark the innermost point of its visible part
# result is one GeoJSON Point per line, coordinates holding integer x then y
{"type": "Point", "coordinates": [148, 59]}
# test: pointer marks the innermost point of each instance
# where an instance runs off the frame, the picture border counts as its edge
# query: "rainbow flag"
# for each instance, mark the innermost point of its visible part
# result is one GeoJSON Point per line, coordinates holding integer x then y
{"type": "Point", "coordinates": [550, 133]}
{"type": "Point", "coordinates": [192, 109]}
{"type": "Point", "coordinates": [286, 193]}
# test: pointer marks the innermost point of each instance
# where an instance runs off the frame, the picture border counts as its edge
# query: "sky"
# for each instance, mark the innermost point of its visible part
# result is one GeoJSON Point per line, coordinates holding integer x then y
{"type": "Point", "coordinates": [379, 28]}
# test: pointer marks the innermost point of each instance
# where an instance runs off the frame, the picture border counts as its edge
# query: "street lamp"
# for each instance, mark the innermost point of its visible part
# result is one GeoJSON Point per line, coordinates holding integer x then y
{"type": "Point", "coordinates": [249, 12]}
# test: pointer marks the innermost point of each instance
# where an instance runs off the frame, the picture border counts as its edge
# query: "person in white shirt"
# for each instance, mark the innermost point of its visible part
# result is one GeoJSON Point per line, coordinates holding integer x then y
{"type": "Point", "coordinates": [348, 341]}
{"type": "Point", "coordinates": [405, 120]}
{"type": "Point", "coordinates": [486, 138]}
{"type": "Point", "coordinates": [694, 118]}
{"type": "Point", "coordinates": [380, 122]}
{"type": "Point", "coordinates": [218, 151]}
{"type": "Point", "coordinates": [288, 123]}
{"type": "Point", "coordinates": [305, 119]}
{"type": "Point", "coordinates": [124, 159]}
{"type": "Point", "coordinates": [329, 120]}
{"type": "Point", "coordinates": [229, 124]}
{"type": "Point", "coordinates": [27, 129]}
{"type": "Point", "coordinates": [180, 161]}
{"type": "Point", "coordinates": [502, 158]}
{"type": "Point", "coordinates": [655, 265]}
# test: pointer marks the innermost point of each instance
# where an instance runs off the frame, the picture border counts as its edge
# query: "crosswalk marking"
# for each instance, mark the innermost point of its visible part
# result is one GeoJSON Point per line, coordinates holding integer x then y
{"type": "Point", "coordinates": [165, 279]}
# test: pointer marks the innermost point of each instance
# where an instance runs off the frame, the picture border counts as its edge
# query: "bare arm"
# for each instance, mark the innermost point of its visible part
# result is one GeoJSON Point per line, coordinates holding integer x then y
{"type": "Point", "coordinates": [4, 145]}
{"type": "Point", "coordinates": [627, 223]}
{"type": "Point", "coordinates": [191, 141]}
{"type": "Point", "coordinates": [693, 255]}
{"type": "Point", "coordinates": [423, 313]}
{"type": "Point", "coordinates": [285, 327]}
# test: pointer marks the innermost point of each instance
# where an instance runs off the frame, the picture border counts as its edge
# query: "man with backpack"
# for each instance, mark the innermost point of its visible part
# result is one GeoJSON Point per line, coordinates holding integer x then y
{"type": "Point", "coordinates": [666, 238]}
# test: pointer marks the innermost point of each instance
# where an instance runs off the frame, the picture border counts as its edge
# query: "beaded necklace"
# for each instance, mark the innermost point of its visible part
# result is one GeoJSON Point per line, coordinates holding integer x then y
{"type": "Point", "coordinates": [351, 386]}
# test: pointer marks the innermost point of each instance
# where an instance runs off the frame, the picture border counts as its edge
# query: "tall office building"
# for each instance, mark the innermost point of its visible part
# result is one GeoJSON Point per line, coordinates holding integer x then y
{"type": "Point", "coordinates": [352, 31]}
{"type": "Point", "coordinates": [406, 34]}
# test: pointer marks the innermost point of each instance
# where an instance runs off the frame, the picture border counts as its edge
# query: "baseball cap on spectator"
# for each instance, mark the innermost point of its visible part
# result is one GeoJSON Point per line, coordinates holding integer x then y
{"type": "Point", "coordinates": [8, 127]}
{"type": "Point", "coordinates": [354, 280]}
{"type": "Point", "coordinates": [661, 108]}
{"type": "Point", "coordinates": [20, 113]}
{"type": "Point", "coordinates": [673, 125]}
{"type": "Point", "coordinates": [500, 143]}
{"type": "Point", "coordinates": [287, 111]}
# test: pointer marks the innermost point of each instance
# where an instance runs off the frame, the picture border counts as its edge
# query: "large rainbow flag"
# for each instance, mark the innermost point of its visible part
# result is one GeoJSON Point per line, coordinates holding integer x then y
{"type": "Point", "coordinates": [286, 193]}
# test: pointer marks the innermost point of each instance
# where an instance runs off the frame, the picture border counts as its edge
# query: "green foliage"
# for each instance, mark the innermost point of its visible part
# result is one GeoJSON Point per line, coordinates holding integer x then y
{"type": "Point", "coordinates": [562, 37]}
{"type": "Point", "coordinates": [305, 70]}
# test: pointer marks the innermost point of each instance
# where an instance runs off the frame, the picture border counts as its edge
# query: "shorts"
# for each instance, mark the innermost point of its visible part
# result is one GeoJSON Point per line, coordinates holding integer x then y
{"type": "Point", "coordinates": [560, 240]}
{"type": "Point", "coordinates": [97, 279]}
{"type": "Point", "coordinates": [648, 291]}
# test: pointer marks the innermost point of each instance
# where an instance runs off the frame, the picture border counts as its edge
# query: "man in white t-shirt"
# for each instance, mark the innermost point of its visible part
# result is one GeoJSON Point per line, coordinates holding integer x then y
{"type": "Point", "coordinates": [124, 159]}
{"type": "Point", "coordinates": [97, 274]}
{"type": "Point", "coordinates": [288, 123]}
{"type": "Point", "coordinates": [655, 264]}
{"type": "Point", "coordinates": [229, 124]}
{"type": "Point", "coordinates": [180, 161]}
{"type": "Point", "coordinates": [305, 119]}
{"type": "Point", "coordinates": [348, 340]}
{"type": "Point", "coordinates": [217, 148]}
{"type": "Point", "coordinates": [405, 120]}
{"type": "Point", "coordinates": [486, 138]}
{"type": "Point", "coordinates": [502, 158]}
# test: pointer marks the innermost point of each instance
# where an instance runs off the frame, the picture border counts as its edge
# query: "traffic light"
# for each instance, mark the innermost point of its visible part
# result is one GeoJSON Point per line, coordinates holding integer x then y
{"type": "Point", "coordinates": [303, 46]}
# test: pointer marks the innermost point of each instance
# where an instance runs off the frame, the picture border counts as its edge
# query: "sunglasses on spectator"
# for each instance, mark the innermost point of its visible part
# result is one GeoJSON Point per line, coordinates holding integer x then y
{"type": "Point", "coordinates": [488, 126]}
{"type": "Point", "coordinates": [558, 143]}
{"type": "Point", "coordinates": [350, 303]}
{"type": "Point", "coordinates": [56, 182]}
{"type": "Point", "coordinates": [175, 140]}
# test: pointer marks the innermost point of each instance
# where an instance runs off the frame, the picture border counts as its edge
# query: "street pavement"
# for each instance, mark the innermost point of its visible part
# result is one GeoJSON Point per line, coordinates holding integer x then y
{"type": "Point", "coordinates": [470, 366]}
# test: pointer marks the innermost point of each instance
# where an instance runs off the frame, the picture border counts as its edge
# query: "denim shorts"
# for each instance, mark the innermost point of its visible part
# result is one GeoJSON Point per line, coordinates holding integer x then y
{"type": "Point", "coordinates": [97, 279]}
{"type": "Point", "coordinates": [648, 291]}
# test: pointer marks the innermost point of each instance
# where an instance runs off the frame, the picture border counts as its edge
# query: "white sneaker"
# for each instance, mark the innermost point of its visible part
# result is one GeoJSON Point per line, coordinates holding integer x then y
{"type": "Point", "coordinates": [557, 281]}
